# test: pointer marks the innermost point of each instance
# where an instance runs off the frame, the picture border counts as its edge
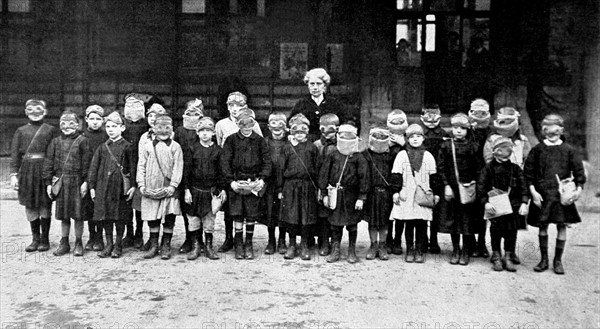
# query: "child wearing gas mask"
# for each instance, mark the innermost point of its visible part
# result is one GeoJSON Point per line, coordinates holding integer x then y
{"type": "Point", "coordinates": [246, 165]}
{"type": "Point", "coordinates": [550, 161]}
{"type": "Point", "coordinates": [383, 184]}
{"type": "Point", "coordinates": [297, 182]}
{"type": "Point", "coordinates": [66, 165]}
{"type": "Point", "coordinates": [504, 175]}
{"type": "Point", "coordinates": [159, 173]}
{"type": "Point", "coordinates": [397, 123]}
{"type": "Point", "coordinates": [434, 137]}
{"type": "Point", "coordinates": [457, 218]}
{"type": "Point", "coordinates": [96, 136]}
{"type": "Point", "coordinates": [506, 125]}
{"type": "Point", "coordinates": [28, 151]}
{"type": "Point", "coordinates": [276, 141]}
{"type": "Point", "coordinates": [346, 170]}
{"type": "Point", "coordinates": [328, 126]}
{"type": "Point", "coordinates": [186, 136]}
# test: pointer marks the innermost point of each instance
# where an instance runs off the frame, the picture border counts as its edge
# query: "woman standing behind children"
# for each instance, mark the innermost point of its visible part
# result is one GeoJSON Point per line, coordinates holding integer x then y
{"type": "Point", "coordinates": [28, 152]}
{"type": "Point", "coordinates": [416, 165]}
{"type": "Point", "coordinates": [112, 185]}
{"type": "Point", "coordinates": [379, 199]}
{"type": "Point", "coordinates": [67, 165]}
{"type": "Point", "coordinates": [346, 170]}
{"type": "Point", "coordinates": [297, 180]}
{"type": "Point", "coordinates": [549, 161]}
{"type": "Point", "coordinates": [503, 176]}
{"type": "Point", "coordinates": [459, 163]}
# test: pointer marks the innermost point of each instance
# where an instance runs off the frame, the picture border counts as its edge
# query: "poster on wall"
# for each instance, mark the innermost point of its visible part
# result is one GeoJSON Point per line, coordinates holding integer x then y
{"type": "Point", "coordinates": [335, 57]}
{"type": "Point", "coordinates": [293, 60]}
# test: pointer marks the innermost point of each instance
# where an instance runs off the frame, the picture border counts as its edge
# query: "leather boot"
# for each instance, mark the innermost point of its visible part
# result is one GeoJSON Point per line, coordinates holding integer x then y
{"type": "Point", "coordinates": [382, 253]}
{"type": "Point", "coordinates": [89, 246]}
{"type": "Point", "coordinates": [108, 248]}
{"type": "Point", "coordinates": [208, 247]}
{"type": "Point", "coordinates": [227, 244]}
{"type": "Point", "coordinates": [44, 240]}
{"type": "Point", "coordinates": [78, 250]}
{"type": "Point", "coordinates": [542, 265]}
{"type": "Point", "coordinates": [63, 247]}
{"type": "Point", "coordinates": [165, 248]}
{"type": "Point", "coordinates": [496, 259]}
{"type": "Point", "coordinates": [153, 246]}
{"type": "Point", "coordinates": [304, 251]}
{"type": "Point", "coordinates": [434, 247]}
{"type": "Point", "coordinates": [558, 267]}
{"type": "Point", "coordinates": [118, 247]}
{"type": "Point", "coordinates": [146, 246]}
{"type": "Point", "coordinates": [239, 246]}
{"type": "Point", "coordinates": [291, 250]}
{"type": "Point", "coordinates": [35, 234]}
{"type": "Point", "coordinates": [325, 249]}
{"type": "Point", "coordinates": [248, 249]}
{"type": "Point", "coordinates": [507, 262]}
{"type": "Point", "coordinates": [454, 259]}
{"type": "Point", "coordinates": [397, 247]}
{"type": "Point", "coordinates": [281, 246]}
{"type": "Point", "coordinates": [128, 240]}
{"type": "Point", "coordinates": [99, 239]}
{"type": "Point", "coordinates": [465, 258]}
{"type": "Point", "coordinates": [352, 258]}
{"type": "Point", "coordinates": [372, 253]}
{"type": "Point", "coordinates": [138, 237]}
{"type": "Point", "coordinates": [334, 256]}
{"type": "Point", "coordinates": [270, 249]}
{"type": "Point", "coordinates": [195, 252]}
{"type": "Point", "coordinates": [419, 257]}
{"type": "Point", "coordinates": [186, 247]}
{"type": "Point", "coordinates": [514, 258]}
{"type": "Point", "coordinates": [483, 251]}
{"type": "Point", "coordinates": [410, 254]}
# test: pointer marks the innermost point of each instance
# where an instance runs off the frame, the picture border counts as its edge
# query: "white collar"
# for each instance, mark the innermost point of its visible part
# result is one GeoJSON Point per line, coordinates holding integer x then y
{"type": "Point", "coordinates": [549, 143]}
{"type": "Point", "coordinates": [319, 99]}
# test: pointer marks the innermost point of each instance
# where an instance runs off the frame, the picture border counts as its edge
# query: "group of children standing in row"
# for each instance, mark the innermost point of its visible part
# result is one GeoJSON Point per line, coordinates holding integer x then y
{"type": "Point", "coordinates": [408, 178]}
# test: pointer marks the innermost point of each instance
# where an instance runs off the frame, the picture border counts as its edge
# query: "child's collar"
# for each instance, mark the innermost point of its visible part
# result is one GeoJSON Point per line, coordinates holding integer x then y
{"type": "Point", "coordinates": [549, 143]}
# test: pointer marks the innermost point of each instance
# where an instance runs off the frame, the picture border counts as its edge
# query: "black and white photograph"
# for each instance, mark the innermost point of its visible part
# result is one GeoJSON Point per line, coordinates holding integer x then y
{"type": "Point", "coordinates": [299, 164]}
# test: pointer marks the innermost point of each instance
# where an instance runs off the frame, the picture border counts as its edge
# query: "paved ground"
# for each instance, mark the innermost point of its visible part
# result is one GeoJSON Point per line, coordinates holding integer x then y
{"type": "Point", "coordinates": [43, 291]}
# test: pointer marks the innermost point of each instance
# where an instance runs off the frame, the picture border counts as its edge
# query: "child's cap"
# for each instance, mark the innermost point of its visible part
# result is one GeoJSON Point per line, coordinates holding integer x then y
{"type": "Point", "coordinates": [348, 128]}
{"type": "Point", "coordinates": [163, 119]}
{"type": "Point", "coordinates": [277, 120]}
{"type": "Point", "coordinates": [205, 123]}
{"type": "Point", "coordinates": [194, 106]}
{"type": "Point", "coordinates": [414, 129]}
{"type": "Point", "coordinates": [97, 109]}
{"type": "Point", "coordinates": [553, 119]}
{"type": "Point", "coordinates": [114, 117]}
{"type": "Point", "coordinates": [35, 102]}
{"type": "Point", "coordinates": [245, 113]}
{"type": "Point", "coordinates": [460, 120]}
{"type": "Point", "coordinates": [157, 108]}
{"type": "Point", "coordinates": [299, 118]}
{"type": "Point", "coordinates": [69, 115]}
{"type": "Point", "coordinates": [501, 141]}
{"type": "Point", "coordinates": [480, 104]}
{"type": "Point", "coordinates": [236, 97]}
{"type": "Point", "coordinates": [329, 119]}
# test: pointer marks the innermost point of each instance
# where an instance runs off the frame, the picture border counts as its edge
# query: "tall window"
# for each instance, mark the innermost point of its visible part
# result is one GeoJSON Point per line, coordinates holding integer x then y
{"type": "Point", "coordinates": [193, 6]}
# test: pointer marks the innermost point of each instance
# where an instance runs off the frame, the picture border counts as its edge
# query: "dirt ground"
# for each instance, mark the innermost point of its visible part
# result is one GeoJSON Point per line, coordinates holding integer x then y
{"type": "Point", "coordinates": [43, 291]}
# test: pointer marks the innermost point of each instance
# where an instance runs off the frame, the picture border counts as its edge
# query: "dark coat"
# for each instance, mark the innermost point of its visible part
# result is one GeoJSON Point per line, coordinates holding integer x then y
{"type": "Point", "coordinates": [202, 176]}
{"type": "Point", "coordinates": [355, 185]}
{"type": "Point", "coordinates": [73, 170]}
{"type": "Point", "coordinates": [379, 199]}
{"type": "Point", "coordinates": [272, 202]}
{"type": "Point", "coordinates": [298, 181]}
{"type": "Point", "coordinates": [32, 189]}
{"type": "Point", "coordinates": [541, 166]}
{"type": "Point", "coordinates": [106, 179]}
{"type": "Point", "coordinates": [504, 176]}
{"type": "Point", "coordinates": [95, 139]}
{"type": "Point", "coordinates": [313, 113]}
{"type": "Point", "coordinates": [455, 217]}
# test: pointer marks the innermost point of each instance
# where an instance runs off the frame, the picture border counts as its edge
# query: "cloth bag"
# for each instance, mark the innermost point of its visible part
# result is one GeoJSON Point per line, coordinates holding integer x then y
{"type": "Point", "coordinates": [501, 202]}
{"type": "Point", "coordinates": [332, 191]}
{"type": "Point", "coordinates": [424, 198]}
{"type": "Point", "coordinates": [466, 191]}
{"type": "Point", "coordinates": [566, 189]}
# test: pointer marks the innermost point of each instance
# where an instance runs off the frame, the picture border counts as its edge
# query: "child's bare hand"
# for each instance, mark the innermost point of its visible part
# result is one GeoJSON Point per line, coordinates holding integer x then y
{"type": "Point", "coordinates": [436, 199]}
{"type": "Point", "coordinates": [358, 205]}
{"type": "Point", "coordinates": [49, 191]}
{"type": "Point", "coordinates": [130, 193]}
{"type": "Point", "coordinates": [448, 193]}
{"type": "Point", "coordinates": [170, 191]}
{"type": "Point", "coordinates": [14, 182]}
{"type": "Point", "coordinates": [489, 208]}
{"type": "Point", "coordinates": [524, 209]}
{"type": "Point", "coordinates": [235, 186]}
{"type": "Point", "coordinates": [536, 197]}
{"type": "Point", "coordinates": [403, 195]}
{"type": "Point", "coordinates": [326, 201]}
{"type": "Point", "coordinates": [279, 195]}
{"type": "Point", "coordinates": [396, 198]}
{"type": "Point", "coordinates": [188, 196]}
{"type": "Point", "coordinates": [93, 194]}
{"type": "Point", "coordinates": [83, 189]}
{"type": "Point", "coordinates": [577, 193]}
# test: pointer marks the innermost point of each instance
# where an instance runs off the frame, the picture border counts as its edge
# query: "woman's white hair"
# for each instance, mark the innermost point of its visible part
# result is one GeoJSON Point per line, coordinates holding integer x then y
{"type": "Point", "coordinates": [318, 73]}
